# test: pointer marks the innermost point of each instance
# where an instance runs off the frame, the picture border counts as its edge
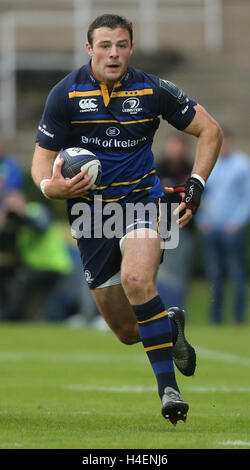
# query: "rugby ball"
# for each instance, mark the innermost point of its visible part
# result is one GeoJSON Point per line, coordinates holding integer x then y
{"type": "Point", "coordinates": [77, 159]}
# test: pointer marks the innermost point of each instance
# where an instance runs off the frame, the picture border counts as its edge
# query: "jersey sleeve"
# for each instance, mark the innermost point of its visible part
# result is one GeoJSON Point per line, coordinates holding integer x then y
{"type": "Point", "coordinates": [175, 106]}
{"type": "Point", "coordinates": [55, 124]}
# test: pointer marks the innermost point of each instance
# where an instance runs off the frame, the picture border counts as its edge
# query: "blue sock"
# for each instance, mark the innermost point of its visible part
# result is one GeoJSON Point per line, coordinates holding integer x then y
{"type": "Point", "coordinates": [157, 337]}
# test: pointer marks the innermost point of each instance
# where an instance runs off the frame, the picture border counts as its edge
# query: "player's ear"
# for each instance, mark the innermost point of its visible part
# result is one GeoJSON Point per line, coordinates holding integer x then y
{"type": "Point", "coordinates": [132, 48]}
{"type": "Point", "coordinates": [89, 49]}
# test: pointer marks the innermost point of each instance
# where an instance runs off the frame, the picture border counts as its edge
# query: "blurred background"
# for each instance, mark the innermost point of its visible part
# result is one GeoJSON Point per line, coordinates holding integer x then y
{"type": "Point", "coordinates": [202, 45]}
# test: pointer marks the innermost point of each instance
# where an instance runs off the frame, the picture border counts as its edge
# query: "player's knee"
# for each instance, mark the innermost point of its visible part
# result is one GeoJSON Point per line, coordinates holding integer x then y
{"type": "Point", "coordinates": [137, 286]}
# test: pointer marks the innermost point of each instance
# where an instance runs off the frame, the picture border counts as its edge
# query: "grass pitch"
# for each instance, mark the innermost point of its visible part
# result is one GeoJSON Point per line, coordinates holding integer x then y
{"type": "Point", "coordinates": [65, 388]}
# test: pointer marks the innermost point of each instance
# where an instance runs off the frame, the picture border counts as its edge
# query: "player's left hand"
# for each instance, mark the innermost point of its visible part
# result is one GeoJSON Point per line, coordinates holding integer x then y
{"type": "Point", "coordinates": [190, 193]}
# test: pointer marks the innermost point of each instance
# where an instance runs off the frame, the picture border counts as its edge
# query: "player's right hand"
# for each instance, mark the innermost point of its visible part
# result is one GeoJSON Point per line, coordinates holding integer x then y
{"type": "Point", "coordinates": [59, 187]}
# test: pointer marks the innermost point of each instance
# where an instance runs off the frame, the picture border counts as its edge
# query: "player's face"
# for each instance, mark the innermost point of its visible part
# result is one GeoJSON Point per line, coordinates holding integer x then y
{"type": "Point", "coordinates": [110, 52]}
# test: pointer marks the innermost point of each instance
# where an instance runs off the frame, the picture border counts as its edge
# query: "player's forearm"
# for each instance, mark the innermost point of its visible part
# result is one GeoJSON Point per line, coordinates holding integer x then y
{"type": "Point", "coordinates": [210, 137]}
{"type": "Point", "coordinates": [208, 148]}
{"type": "Point", "coordinates": [42, 164]}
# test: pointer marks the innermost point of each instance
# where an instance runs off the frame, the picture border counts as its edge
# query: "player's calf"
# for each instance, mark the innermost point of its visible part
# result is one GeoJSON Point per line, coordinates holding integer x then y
{"type": "Point", "coordinates": [129, 335]}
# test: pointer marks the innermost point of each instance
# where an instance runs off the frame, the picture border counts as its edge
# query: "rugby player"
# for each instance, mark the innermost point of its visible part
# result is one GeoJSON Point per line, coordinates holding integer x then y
{"type": "Point", "coordinates": [113, 110]}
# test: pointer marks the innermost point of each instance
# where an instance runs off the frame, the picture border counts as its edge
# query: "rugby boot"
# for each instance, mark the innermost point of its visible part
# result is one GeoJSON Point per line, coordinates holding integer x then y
{"type": "Point", "coordinates": [174, 407]}
{"type": "Point", "coordinates": [184, 355]}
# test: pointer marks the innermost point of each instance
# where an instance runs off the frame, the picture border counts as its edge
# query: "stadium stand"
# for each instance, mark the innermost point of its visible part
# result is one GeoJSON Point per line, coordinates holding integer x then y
{"type": "Point", "coordinates": [207, 40]}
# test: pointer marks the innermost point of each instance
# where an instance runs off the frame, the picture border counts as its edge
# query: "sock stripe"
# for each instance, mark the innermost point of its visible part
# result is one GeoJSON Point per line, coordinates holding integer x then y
{"type": "Point", "coordinates": [163, 367]}
{"type": "Point", "coordinates": [155, 330]}
{"type": "Point", "coordinates": [158, 328]}
{"type": "Point", "coordinates": [159, 346]}
{"type": "Point", "coordinates": [156, 339]}
{"type": "Point", "coordinates": [155, 317]}
{"type": "Point", "coordinates": [158, 355]}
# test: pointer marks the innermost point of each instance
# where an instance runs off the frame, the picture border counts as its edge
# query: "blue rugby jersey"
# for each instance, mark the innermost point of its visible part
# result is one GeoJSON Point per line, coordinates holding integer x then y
{"type": "Point", "coordinates": [119, 128]}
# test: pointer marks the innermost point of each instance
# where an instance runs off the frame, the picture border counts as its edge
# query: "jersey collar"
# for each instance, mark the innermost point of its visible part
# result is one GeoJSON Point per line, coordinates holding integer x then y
{"type": "Point", "coordinates": [96, 82]}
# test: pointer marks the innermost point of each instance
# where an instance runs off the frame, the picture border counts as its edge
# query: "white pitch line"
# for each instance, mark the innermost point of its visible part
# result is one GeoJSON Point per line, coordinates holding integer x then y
{"type": "Point", "coordinates": [235, 443]}
{"type": "Point", "coordinates": [10, 445]}
{"type": "Point", "coordinates": [96, 388]}
{"type": "Point", "coordinates": [221, 389]}
{"type": "Point", "coordinates": [219, 356]}
{"type": "Point", "coordinates": [141, 389]}
{"type": "Point", "coordinates": [95, 357]}
{"type": "Point", "coordinates": [203, 353]}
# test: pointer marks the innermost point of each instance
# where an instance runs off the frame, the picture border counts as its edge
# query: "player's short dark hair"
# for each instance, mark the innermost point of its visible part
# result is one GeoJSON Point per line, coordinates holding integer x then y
{"type": "Point", "coordinates": [110, 21]}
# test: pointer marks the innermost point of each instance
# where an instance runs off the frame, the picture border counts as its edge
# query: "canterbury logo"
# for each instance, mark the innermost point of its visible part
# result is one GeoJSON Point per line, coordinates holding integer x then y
{"type": "Point", "coordinates": [88, 103]}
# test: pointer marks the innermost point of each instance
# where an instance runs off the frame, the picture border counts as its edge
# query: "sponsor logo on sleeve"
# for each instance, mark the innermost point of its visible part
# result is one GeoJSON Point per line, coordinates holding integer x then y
{"type": "Point", "coordinates": [44, 130]}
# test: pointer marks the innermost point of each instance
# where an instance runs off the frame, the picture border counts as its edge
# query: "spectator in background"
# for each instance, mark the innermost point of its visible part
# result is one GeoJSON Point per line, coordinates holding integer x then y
{"type": "Point", "coordinates": [53, 283]}
{"type": "Point", "coordinates": [11, 172]}
{"type": "Point", "coordinates": [222, 220]}
{"type": "Point", "coordinates": [174, 167]}
{"type": "Point", "coordinates": [39, 257]}
{"type": "Point", "coordinates": [175, 164]}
